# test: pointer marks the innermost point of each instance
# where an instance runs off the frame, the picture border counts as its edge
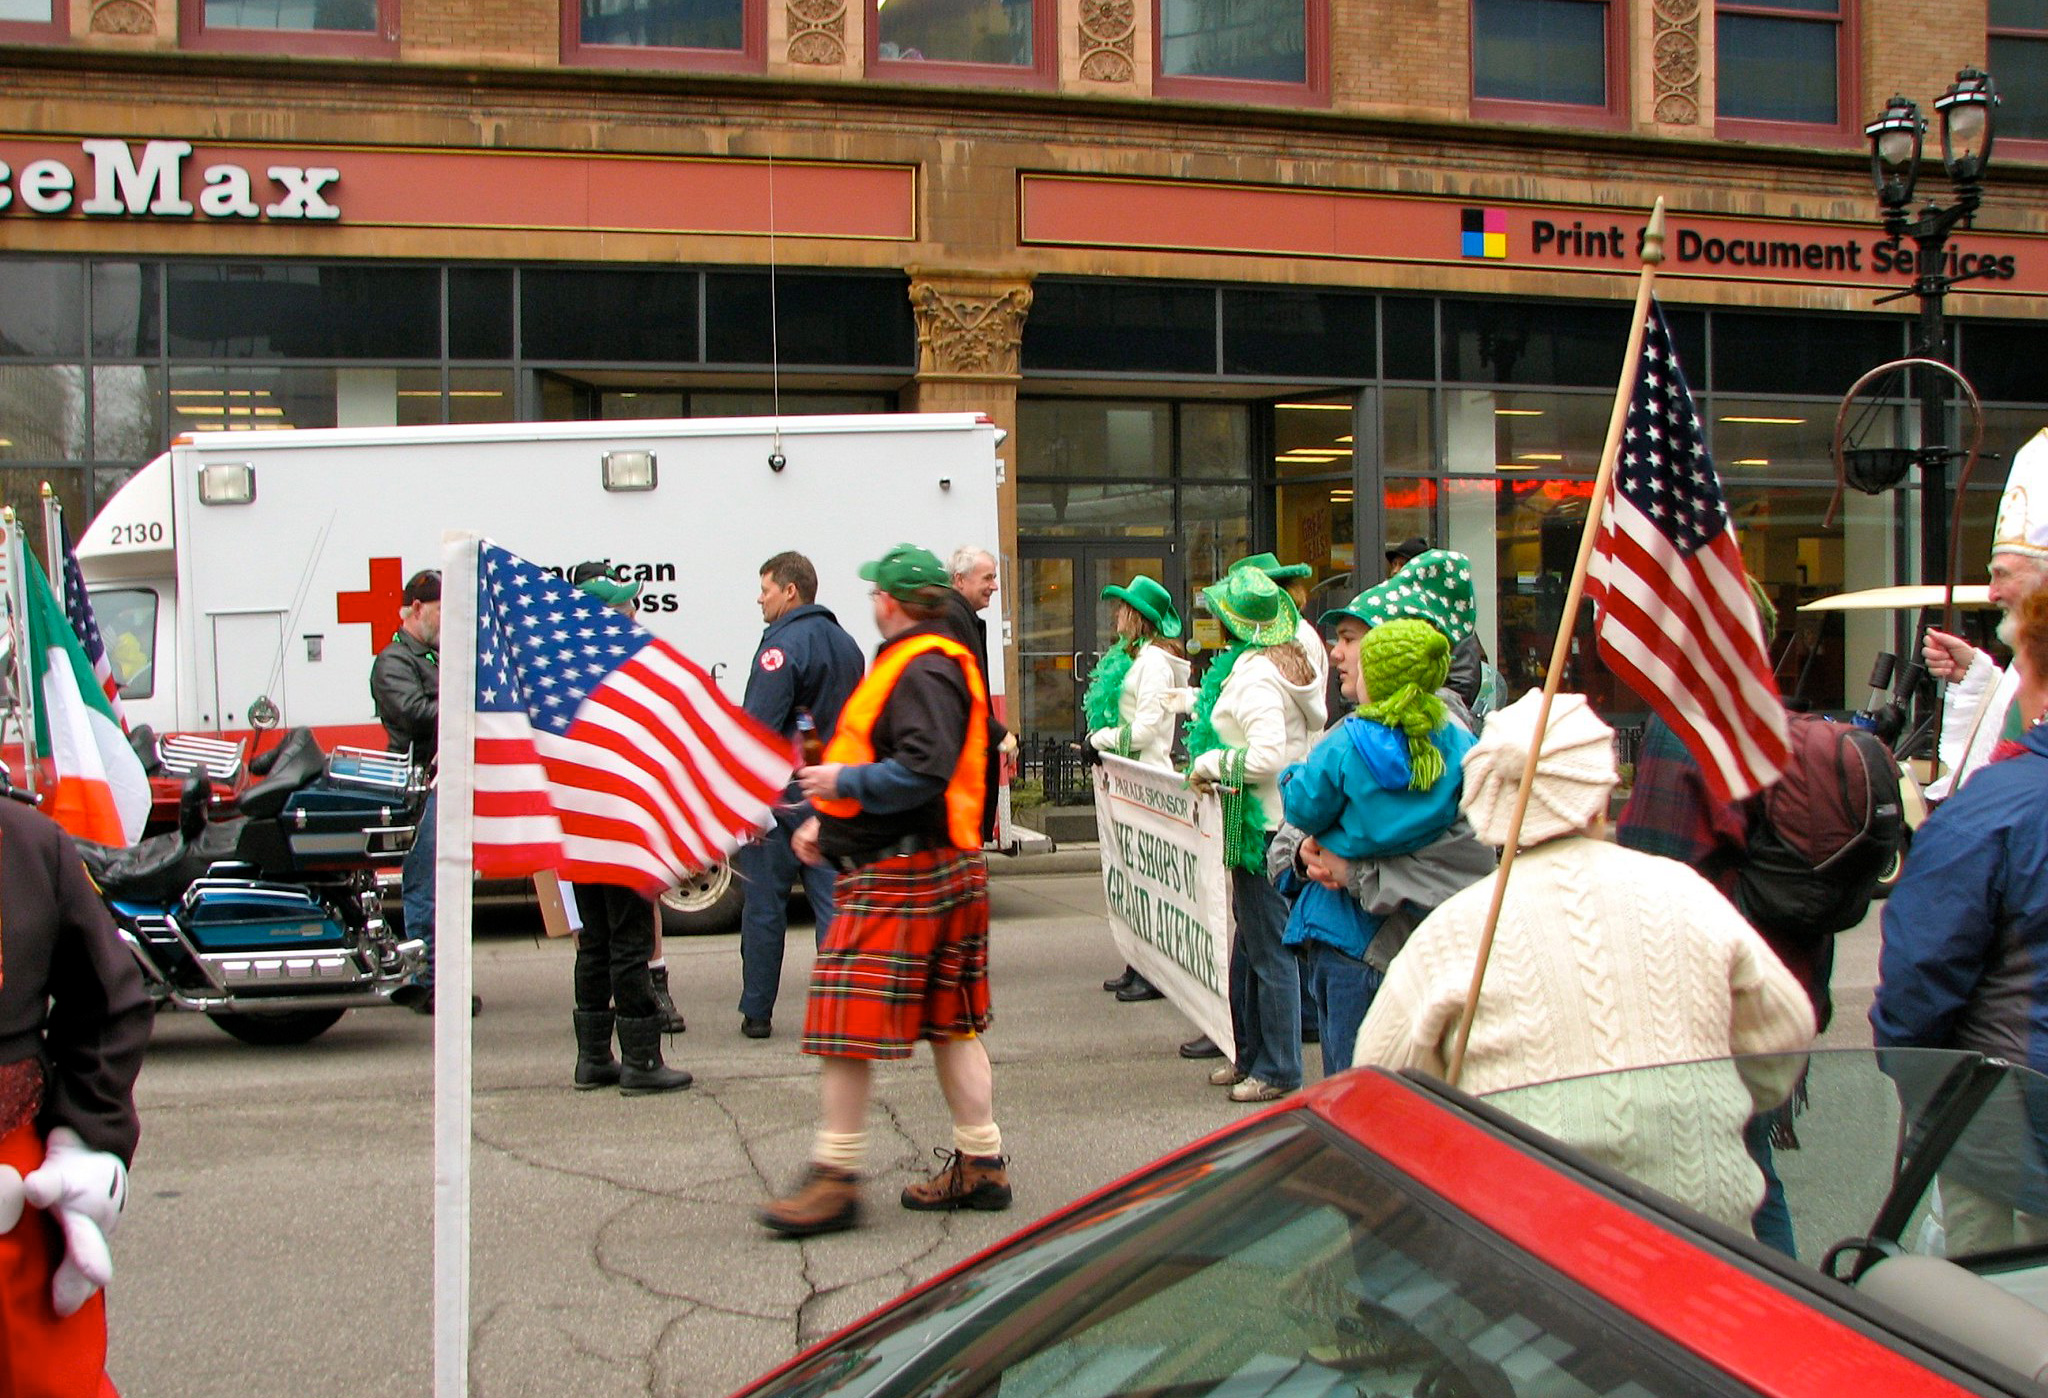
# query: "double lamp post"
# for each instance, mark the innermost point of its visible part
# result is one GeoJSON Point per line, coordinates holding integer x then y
{"type": "Point", "coordinates": [1895, 144]}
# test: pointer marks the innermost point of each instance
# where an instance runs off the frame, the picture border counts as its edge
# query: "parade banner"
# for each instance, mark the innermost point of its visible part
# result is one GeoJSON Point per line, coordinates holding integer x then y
{"type": "Point", "coordinates": [1166, 887]}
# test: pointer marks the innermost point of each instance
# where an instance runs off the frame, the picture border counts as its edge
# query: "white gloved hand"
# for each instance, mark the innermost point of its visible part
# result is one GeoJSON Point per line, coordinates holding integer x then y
{"type": "Point", "coordinates": [86, 1189]}
{"type": "Point", "coordinates": [10, 1198]}
{"type": "Point", "coordinates": [1008, 746]}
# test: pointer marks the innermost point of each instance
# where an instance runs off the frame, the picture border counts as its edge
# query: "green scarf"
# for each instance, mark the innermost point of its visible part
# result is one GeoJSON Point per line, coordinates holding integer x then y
{"type": "Point", "coordinates": [1244, 814]}
{"type": "Point", "coordinates": [1103, 704]}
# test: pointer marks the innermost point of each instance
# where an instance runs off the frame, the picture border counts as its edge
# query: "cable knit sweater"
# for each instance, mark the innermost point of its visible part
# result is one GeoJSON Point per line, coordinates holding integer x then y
{"type": "Point", "coordinates": [1146, 706]}
{"type": "Point", "coordinates": [1606, 959]}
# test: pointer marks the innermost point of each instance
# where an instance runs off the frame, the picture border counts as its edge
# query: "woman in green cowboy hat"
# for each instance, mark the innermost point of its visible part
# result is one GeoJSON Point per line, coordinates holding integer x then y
{"type": "Point", "coordinates": [1131, 702]}
{"type": "Point", "coordinates": [1261, 704]}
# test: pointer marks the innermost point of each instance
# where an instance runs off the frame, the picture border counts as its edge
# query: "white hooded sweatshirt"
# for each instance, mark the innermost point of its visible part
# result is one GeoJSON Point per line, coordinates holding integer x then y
{"type": "Point", "coordinates": [1272, 718]}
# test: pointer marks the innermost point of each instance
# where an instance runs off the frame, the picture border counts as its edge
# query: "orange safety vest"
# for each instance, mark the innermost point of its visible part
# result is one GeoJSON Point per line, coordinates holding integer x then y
{"type": "Point", "coordinates": [853, 740]}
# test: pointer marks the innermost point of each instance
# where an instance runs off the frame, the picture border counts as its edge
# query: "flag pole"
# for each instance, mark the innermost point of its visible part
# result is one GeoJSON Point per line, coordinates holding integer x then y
{"type": "Point", "coordinates": [17, 630]}
{"type": "Point", "coordinates": [456, 805]}
{"type": "Point", "coordinates": [1560, 649]}
{"type": "Point", "coordinates": [53, 523]}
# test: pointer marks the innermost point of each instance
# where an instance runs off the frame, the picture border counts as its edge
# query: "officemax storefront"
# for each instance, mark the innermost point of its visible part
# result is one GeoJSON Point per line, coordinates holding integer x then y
{"type": "Point", "coordinates": [1195, 360]}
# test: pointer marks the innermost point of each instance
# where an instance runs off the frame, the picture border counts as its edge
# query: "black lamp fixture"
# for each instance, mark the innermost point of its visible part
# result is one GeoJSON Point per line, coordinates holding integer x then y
{"type": "Point", "coordinates": [1896, 140]}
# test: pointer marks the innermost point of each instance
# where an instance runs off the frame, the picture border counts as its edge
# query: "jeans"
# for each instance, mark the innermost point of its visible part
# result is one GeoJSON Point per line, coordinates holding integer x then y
{"type": "Point", "coordinates": [1342, 987]}
{"type": "Point", "coordinates": [416, 881]}
{"type": "Point", "coordinates": [1772, 1222]}
{"type": "Point", "coordinates": [1265, 985]}
{"type": "Point", "coordinates": [768, 866]}
{"type": "Point", "coordinates": [612, 951]}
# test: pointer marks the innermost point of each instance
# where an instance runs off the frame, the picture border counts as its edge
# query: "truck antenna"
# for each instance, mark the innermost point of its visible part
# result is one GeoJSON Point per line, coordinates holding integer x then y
{"type": "Point", "coordinates": [776, 460]}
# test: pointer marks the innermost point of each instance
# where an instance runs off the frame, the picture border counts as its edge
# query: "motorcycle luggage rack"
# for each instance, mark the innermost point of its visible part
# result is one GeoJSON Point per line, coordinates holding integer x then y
{"type": "Point", "coordinates": [369, 768]}
{"type": "Point", "coordinates": [182, 754]}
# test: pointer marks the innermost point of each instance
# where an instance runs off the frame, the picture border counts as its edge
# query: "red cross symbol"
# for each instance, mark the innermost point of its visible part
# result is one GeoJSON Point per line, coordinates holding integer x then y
{"type": "Point", "coordinates": [378, 605]}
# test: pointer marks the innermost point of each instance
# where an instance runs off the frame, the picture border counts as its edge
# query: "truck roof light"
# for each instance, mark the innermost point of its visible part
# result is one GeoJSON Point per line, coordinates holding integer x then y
{"type": "Point", "coordinates": [227, 483]}
{"type": "Point", "coordinates": [629, 470]}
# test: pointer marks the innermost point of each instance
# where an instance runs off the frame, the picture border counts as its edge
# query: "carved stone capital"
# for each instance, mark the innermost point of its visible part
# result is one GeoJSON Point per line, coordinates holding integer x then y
{"type": "Point", "coordinates": [817, 31]}
{"type": "Point", "coordinates": [969, 325]}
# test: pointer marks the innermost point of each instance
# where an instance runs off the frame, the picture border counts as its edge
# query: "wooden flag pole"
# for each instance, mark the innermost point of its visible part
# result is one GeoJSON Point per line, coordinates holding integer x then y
{"type": "Point", "coordinates": [1560, 650]}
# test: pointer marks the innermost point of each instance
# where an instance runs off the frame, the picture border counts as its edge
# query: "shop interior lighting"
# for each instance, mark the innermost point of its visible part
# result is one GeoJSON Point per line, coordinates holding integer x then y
{"type": "Point", "coordinates": [1316, 407]}
{"type": "Point", "coordinates": [1518, 412]}
{"type": "Point", "coordinates": [1539, 456]}
{"type": "Point", "coordinates": [1767, 421]}
{"type": "Point", "coordinates": [1751, 461]}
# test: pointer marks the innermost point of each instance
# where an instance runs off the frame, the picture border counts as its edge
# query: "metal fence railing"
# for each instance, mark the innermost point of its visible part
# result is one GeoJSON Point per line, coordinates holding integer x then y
{"type": "Point", "coordinates": [1056, 764]}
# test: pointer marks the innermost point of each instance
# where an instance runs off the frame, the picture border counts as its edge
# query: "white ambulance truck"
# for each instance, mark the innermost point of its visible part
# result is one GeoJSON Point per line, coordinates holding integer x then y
{"type": "Point", "coordinates": [246, 578]}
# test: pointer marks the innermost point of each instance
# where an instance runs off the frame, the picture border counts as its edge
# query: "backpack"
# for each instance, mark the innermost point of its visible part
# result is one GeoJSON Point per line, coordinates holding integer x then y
{"type": "Point", "coordinates": [1824, 833]}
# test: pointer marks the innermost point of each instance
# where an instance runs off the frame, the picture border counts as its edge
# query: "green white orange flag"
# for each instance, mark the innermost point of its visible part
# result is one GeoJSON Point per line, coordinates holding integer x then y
{"type": "Point", "coordinates": [98, 790]}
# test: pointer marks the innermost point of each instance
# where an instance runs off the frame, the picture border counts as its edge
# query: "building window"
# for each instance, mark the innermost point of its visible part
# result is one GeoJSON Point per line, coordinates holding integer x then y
{"type": "Point", "coordinates": [1785, 61]}
{"type": "Point", "coordinates": [33, 22]}
{"type": "Point", "coordinates": [725, 35]}
{"type": "Point", "coordinates": [1003, 42]}
{"type": "Point", "coordinates": [2019, 59]}
{"type": "Point", "coordinates": [1243, 50]}
{"type": "Point", "coordinates": [1546, 60]}
{"type": "Point", "coordinates": [356, 28]}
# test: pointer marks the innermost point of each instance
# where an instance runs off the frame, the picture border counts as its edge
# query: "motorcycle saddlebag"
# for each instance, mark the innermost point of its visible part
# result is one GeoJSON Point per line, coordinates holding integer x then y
{"type": "Point", "coordinates": [242, 915]}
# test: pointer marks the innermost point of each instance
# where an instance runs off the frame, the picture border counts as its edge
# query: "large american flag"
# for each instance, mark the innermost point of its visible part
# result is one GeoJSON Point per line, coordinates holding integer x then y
{"type": "Point", "coordinates": [78, 607]}
{"type": "Point", "coordinates": [602, 752]}
{"type": "Point", "coordinates": [1676, 619]}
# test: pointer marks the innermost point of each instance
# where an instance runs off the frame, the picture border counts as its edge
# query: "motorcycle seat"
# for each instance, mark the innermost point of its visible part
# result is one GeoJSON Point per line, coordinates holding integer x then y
{"type": "Point", "coordinates": [297, 761]}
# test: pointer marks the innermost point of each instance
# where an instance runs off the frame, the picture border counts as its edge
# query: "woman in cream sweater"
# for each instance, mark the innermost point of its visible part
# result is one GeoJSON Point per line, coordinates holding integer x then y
{"type": "Point", "coordinates": [1260, 705]}
{"type": "Point", "coordinates": [1604, 959]}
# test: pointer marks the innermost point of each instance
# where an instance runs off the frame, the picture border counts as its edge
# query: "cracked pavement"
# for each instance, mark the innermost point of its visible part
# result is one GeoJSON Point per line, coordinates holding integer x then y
{"type": "Point", "coordinates": [278, 1237]}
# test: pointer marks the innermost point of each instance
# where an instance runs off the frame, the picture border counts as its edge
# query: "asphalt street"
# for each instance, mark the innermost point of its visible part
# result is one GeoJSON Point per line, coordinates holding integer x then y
{"type": "Point", "coordinates": [277, 1238]}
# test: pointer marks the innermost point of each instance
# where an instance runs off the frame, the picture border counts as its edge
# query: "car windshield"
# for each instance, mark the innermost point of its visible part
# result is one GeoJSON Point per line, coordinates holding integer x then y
{"type": "Point", "coordinates": [1276, 1263]}
{"type": "Point", "coordinates": [1927, 1151]}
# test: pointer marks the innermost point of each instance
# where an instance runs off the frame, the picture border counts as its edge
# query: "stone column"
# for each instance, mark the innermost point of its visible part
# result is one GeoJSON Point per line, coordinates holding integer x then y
{"type": "Point", "coordinates": [970, 337]}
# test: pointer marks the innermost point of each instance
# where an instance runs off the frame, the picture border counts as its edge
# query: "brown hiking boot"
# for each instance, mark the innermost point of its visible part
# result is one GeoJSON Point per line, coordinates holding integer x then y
{"type": "Point", "coordinates": [963, 1182]}
{"type": "Point", "coordinates": [826, 1200]}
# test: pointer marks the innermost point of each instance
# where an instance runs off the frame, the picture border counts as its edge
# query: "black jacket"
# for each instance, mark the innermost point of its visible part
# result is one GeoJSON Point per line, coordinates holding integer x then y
{"type": "Point", "coordinates": [805, 661]}
{"type": "Point", "coordinates": [71, 992]}
{"type": "Point", "coordinates": [961, 622]}
{"type": "Point", "coordinates": [405, 683]}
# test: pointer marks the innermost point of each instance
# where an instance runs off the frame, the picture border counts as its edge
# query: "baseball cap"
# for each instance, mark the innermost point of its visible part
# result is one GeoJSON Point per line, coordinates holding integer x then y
{"type": "Point", "coordinates": [423, 586]}
{"type": "Point", "coordinates": [599, 581]}
{"type": "Point", "coordinates": [906, 571]}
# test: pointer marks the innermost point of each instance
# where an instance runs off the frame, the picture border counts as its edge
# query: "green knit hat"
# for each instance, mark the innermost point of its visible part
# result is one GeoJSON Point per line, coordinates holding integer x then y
{"type": "Point", "coordinates": [1436, 588]}
{"type": "Point", "coordinates": [1402, 663]}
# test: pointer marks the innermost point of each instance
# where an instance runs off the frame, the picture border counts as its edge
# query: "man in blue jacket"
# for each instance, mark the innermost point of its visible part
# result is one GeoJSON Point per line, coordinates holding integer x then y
{"type": "Point", "coordinates": [806, 666]}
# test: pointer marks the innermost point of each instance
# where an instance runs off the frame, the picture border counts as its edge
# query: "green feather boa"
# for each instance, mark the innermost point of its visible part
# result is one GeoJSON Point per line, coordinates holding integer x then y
{"type": "Point", "coordinates": [1103, 704]}
{"type": "Point", "coordinates": [1244, 814]}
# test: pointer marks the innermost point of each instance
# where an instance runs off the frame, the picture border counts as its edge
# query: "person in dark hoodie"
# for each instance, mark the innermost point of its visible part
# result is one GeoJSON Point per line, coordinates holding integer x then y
{"type": "Point", "coordinates": [805, 667]}
{"type": "Point", "coordinates": [974, 586]}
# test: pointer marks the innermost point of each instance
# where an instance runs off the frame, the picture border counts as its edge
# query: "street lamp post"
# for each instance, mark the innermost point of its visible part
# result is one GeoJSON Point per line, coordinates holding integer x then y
{"type": "Point", "coordinates": [1895, 144]}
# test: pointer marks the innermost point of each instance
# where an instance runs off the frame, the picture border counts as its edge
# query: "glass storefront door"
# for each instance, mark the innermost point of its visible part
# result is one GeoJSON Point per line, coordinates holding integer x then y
{"type": "Point", "coordinates": [1067, 624]}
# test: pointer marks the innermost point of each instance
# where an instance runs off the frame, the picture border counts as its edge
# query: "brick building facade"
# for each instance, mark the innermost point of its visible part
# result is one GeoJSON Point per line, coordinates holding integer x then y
{"type": "Point", "coordinates": [1300, 275]}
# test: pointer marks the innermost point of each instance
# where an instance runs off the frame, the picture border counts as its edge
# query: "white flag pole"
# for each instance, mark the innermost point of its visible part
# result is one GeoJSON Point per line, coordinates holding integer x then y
{"type": "Point", "coordinates": [452, 898]}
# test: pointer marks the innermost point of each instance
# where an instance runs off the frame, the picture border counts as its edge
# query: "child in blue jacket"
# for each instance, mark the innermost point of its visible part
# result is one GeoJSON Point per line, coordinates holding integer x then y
{"type": "Point", "coordinates": [1384, 782]}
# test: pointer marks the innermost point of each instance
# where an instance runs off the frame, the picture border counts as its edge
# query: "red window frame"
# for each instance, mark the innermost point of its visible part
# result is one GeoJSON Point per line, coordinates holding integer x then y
{"type": "Point", "coordinates": [54, 30]}
{"type": "Point", "coordinates": [195, 33]}
{"type": "Point", "coordinates": [750, 57]}
{"type": "Point", "coordinates": [1613, 115]}
{"type": "Point", "coordinates": [2023, 147]}
{"type": "Point", "coordinates": [1847, 128]}
{"type": "Point", "coordinates": [1314, 91]}
{"type": "Point", "coordinates": [1043, 72]}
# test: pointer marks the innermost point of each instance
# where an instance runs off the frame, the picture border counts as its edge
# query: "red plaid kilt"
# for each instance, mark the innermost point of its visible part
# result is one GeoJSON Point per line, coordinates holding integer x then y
{"type": "Point", "coordinates": [906, 959]}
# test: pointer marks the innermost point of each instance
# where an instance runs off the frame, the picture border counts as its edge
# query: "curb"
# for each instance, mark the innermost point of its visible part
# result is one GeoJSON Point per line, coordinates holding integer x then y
{"type": "Point", "coordinates": [1081, 858]}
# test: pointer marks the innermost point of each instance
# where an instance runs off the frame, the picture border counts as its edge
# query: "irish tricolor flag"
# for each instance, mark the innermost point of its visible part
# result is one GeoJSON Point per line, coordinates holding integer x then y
{"type": "Point", "coordinates": [98, 790]}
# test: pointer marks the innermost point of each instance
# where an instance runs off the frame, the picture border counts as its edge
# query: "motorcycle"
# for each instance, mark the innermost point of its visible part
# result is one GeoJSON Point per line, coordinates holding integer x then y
{"type": "Point", "coordinates": [271, 921]}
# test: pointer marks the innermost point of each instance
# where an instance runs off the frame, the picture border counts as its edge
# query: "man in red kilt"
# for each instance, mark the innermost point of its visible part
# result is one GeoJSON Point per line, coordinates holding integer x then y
{"type": "Point", "coordinates": [74, 1021]}
{"type": "Point", "coordinates": [899, 802]}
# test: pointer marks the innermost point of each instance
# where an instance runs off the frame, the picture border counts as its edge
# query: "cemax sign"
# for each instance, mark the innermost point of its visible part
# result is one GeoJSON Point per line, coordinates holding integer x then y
{"type": "Point", "coordinates": [121, 179]}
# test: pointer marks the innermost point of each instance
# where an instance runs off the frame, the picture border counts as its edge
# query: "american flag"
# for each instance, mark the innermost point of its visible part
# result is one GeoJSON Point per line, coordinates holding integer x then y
{"type": "Point", "coordinates": [602, 752]}
{"type": "Point", "coordinates": [1676, 620]}
{"type": "Point", "coordinates": [78, 607]}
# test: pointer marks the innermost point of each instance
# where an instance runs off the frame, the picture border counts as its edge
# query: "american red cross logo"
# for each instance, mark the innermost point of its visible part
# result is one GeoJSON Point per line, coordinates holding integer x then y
{"type": "Point", "coordinates": [771, 660]}
{"type": "Point", "coordinates": [378, 605]}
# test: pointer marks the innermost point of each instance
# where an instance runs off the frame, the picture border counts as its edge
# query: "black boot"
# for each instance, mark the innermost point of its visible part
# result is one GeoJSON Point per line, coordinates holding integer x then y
{"type": "Point", "coordinates": [595, 1066]}
{"type": "Point", "coordinates": [671, 1017]}
{"type": "Point", "coordinates": [642, 1071]}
